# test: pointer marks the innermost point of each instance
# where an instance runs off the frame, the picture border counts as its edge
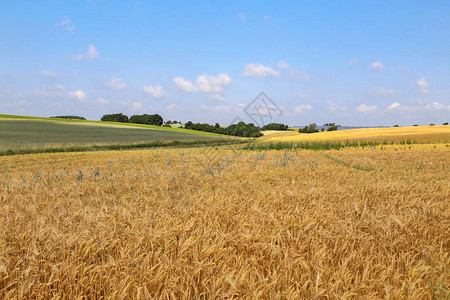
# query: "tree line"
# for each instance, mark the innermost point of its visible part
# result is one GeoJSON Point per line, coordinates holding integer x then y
{"type": "Point", "coordinates": [311, 128]}
{"type": "Point", "coordinates": [275, 126]}
{"type": "Point", "coordinates": [240, 129]}
{"type": "Point", "coordinates": [69, 117]}
{"type": "Point", "coordinates": [137, 119]}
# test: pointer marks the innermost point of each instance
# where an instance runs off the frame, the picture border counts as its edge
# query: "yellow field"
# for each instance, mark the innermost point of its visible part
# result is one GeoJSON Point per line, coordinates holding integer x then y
{"type": "Point", "coordinates": [392, 134]}
{"type": "Point", "coordinates": [214, 224]}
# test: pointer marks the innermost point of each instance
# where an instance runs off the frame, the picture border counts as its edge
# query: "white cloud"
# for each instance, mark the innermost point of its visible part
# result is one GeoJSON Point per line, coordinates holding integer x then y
{"type": "Point", "coordinates": [437, 106]}
{"type": "Point", "coordinates": [382, 92]}
{"type": "Point", "coordinates": [423, 85]}
{"type": "Point", "coordinates": [47, 73]}
{"type": "Point", "coordinates": [377, 66]}
{"type": "Point", "coordinates": [283, 65]}
{"type": "Point", "coordinates": [259, 71]}
{"type": "Point", "coordinates": [102, 100]}
{"type": "Point", "coordinates": [204, 83]}
{"type": "Point", "coordinates": [174, 106]}
{"type": "Point", "coordinates": [67, 23]}
{"type": "Point", "coordinates": [302, 96]}
{"type": "Point", "coordinates": [92, 53]}
{"type": "Point", "coordinates": [156, 91]}
{"type": "Point", "coordinates": [366, 108]}
{"type": "Point", "coordinates": [303, 108]}
{"type": "Point", "coordinates": [393, 106]}
{"type": "Point", "coordinates": [353, 61]}
{"type": "Point", "coordinates": [59, 91]}
{"type": "Point", "coordinates": [213, 84]}
{"type": "Point", "coordinates": [79, 95]}
{"type": "Point", "coordinates": [242, 17]}
{"type": "Point", "coordinates": [432, 107]}
{"type": "Point", "coordinates": [185, 85]}
{"type": "Point", "coordinates": [132, 105]}
{"type": "Point", "coordinates": [115, 83]}
{"type": "Point", "coordinates": [216, 97]}
{"type": "Point", "coordinates": [218, 108]}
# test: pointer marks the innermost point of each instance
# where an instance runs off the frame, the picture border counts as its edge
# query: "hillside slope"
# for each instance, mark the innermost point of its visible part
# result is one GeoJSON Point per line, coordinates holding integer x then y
{"type": "Point", "coordinates": [18, 133]}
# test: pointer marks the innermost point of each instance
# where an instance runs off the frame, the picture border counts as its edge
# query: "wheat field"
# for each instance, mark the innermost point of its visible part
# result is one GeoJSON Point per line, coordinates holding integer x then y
{"type": "Point", "coordinates": [212, 223]}
{"type": "Point", "coordinates": [421, 134]}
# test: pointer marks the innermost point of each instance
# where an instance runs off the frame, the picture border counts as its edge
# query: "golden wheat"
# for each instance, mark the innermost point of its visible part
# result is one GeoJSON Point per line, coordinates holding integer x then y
{"type": "Point", "coordinates": [427, 134]}
{"type": "Point", "coordinates": [211, 223]}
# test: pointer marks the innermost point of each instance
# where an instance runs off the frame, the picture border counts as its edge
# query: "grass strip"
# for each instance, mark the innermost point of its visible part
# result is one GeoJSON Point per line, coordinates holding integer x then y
{"type": "Point", "coordinates": [322, 145]}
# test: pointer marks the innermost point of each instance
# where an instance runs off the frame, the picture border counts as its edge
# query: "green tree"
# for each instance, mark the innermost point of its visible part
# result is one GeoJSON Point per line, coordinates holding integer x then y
{"type": "Point", "coordinates": [119, 117]}
{"type": "Point", "coordinates": [275, 126]}
{"type": "Point", "coordinates": [147, 119]}
{"type": "Point", "coordinates": [311, 128]}
{"type": "Point", "coordinates": [70, 117]}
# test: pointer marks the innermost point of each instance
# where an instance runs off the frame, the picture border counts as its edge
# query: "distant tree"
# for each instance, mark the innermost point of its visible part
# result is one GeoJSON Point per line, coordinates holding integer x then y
{"type": "Point", "coordinates": [69, 117]}
{"type": "Point", "coordinates": [156, 120]}
{"type": "Point", "coordinates": [169, 122]}
{"type": "Point", "coordinates": [244, 130]}
{"type": "Point", "coordinates": [309, 129]}
{"type": "Point", "coordinates": [415, 125]}
{"type": "Point", "coordinates": [147, 119]}
{"type": "Point", "coordinates": [446, 123]}
{"type": "Point", "coordinates": [432, 124]}
{"type": "Point", "coordinates": [137, 119]}
{"type": "Point", "coordinates": [167, 125]}
{"type": "Point", "coordinates": [396, 126]}
{"type": "Point", "coordinates": [331, 126]}
{"type": "Point", "coordinates": [240, 129]}
{"type": "Point", "coordinates": [175, 122]}
{"type": "Point", "coordinates": [115, 118]}
{"type": "Point", "coordinates": [275, 126]}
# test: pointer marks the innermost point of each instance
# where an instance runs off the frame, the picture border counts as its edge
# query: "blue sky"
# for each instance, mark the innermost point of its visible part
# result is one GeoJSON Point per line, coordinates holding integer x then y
{"type": "Point", "coordinates": [350, 62]}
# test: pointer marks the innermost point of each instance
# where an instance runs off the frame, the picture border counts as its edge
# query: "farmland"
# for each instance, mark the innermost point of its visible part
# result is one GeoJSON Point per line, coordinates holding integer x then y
{"type": "Point", "coordinates": [421, 134]}
{"type": "Point", "coordinates": [20, 134]}
{"type": "Point", "coordinates": [223, 222]}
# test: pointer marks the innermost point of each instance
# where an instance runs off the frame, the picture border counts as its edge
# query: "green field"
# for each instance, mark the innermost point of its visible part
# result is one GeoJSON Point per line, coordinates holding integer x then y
{"type": "Point", "coordinates": [103, 123]}
{"type": "Point", "coordinates": [20, 134]}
